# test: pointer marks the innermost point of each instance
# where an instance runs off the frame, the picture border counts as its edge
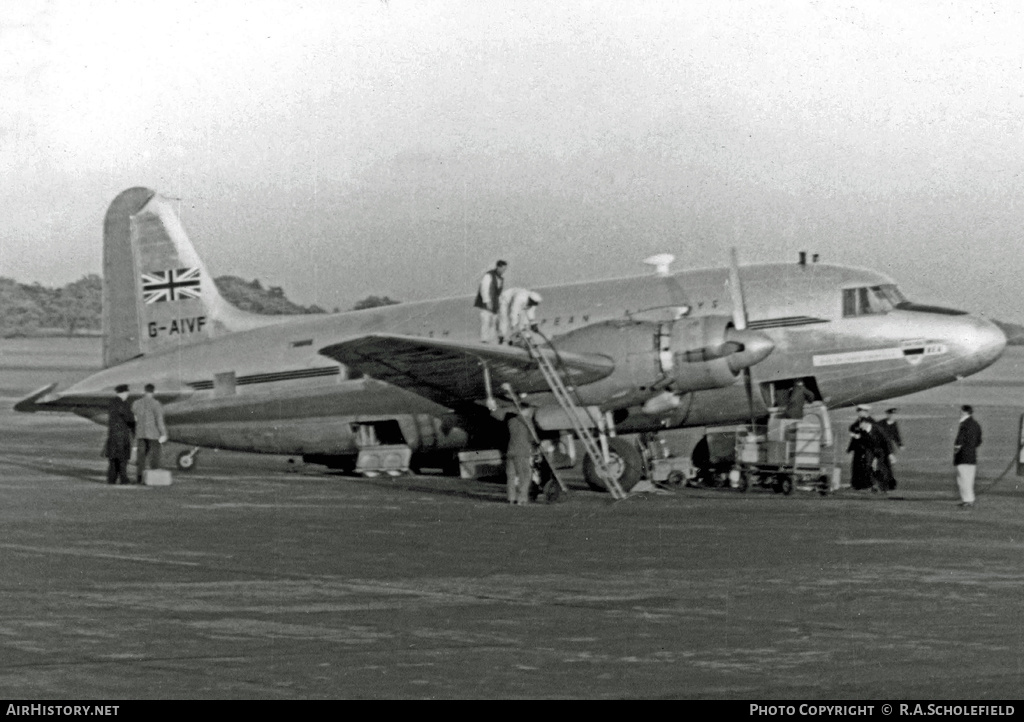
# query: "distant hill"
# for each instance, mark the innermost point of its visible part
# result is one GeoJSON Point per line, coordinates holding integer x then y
{"type": "Point", "coordinates": [251, 296]}
{"type": "Point", "coordinates": [35, 310]}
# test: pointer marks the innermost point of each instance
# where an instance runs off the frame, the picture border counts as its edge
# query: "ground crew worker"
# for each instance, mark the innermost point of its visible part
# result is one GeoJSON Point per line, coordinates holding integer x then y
{"type": "Point", "coordinates": [120, 427]}
{"type": "Point", "coordinates": [488, 301]}
{"type": "Point", "coordinates": [519, 451]}
{"type": "Point", "coordinates": [518, 312]}
{"type": "Point", "coordinates": [798, 396]}
{"type": "Point", "coordinates": [519, 455]}
{"type": "Point", "coordinates": [150, 430]}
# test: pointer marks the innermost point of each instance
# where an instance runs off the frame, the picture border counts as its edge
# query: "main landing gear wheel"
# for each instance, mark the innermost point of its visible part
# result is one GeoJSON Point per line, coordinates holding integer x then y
{"type": "Point", "coordinates": [624, 462]}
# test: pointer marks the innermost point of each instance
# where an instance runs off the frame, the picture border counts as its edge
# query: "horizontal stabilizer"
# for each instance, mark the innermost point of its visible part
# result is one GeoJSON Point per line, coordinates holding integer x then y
{"type": "Point", "coordinates": [45, 400]}
{"type": "Point", "coordinates": [451, 372]}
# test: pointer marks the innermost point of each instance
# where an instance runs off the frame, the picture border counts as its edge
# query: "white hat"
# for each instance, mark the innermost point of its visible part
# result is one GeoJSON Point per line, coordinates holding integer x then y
{"type": "Point", "coordinates": [863, 407]}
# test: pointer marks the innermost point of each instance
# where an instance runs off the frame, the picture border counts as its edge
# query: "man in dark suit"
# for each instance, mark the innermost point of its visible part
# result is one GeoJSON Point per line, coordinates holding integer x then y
{"type": "Point", "coordinates": [965, 455]}
{"type": "Point", "coordinates": [890, 428]}
{"type": "Point", "coordinates": [120, 428]}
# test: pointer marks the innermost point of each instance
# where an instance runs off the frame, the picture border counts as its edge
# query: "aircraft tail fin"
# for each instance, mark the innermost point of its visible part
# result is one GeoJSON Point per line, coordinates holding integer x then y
{"type": "Point", "coordinates": [157, 293]}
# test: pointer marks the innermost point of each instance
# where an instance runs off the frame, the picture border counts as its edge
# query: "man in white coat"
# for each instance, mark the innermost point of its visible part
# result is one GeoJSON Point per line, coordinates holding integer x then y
{"type": "Point", "coordinates": [518, 312]}
{"type": "Point", "coordinates": [150, 431]}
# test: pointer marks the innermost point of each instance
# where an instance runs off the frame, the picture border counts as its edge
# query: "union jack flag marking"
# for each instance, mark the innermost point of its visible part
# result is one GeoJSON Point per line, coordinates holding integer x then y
{"type": "Point", "coordinates": [173, 285]}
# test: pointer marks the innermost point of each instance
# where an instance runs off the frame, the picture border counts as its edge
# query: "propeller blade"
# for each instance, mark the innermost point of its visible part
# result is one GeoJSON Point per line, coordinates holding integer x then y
{"type": "Point", "coordinates": [739, 321]}
{"type": "Point", "coordinates": [739, 307]}
{"type": "Point", "coordinates": [749, 383]}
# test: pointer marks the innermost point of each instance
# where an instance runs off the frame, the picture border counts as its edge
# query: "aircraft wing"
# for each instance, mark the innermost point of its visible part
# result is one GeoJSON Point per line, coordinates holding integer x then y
{"type": "Point", "coordinates": [451, 373]}
{"type": "Point", "coordinates": [44, 399]}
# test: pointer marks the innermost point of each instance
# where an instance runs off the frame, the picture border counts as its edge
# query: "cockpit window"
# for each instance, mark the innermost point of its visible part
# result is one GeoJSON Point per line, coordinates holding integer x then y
{"type": "Point", "coordinates": [871, 299]}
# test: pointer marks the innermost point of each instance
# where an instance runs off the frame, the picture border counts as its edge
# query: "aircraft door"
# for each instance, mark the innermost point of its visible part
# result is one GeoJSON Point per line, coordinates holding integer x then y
{"type": "Point", "coordinates": [775, 394]}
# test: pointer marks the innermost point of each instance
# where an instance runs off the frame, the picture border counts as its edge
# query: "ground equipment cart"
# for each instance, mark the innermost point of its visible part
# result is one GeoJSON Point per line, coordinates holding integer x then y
{"type": "Point", "coordinates": [787, 454]}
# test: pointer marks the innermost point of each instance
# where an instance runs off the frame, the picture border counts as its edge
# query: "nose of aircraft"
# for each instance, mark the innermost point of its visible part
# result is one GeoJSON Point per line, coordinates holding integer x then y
{"type": "Point", "coordinates": [979, 342]}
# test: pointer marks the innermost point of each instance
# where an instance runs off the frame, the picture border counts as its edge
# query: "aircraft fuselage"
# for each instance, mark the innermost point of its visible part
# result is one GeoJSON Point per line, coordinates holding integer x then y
{"type": "Point", "coordinates": [269, 389]}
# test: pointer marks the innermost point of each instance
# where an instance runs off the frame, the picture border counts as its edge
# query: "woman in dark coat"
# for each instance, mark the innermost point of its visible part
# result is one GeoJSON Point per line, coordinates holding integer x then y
{"type": "Point", "coordinates": [868, 446]}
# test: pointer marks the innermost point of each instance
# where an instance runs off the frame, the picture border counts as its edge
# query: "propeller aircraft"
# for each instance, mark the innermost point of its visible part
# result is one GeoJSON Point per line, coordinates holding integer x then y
{"type": "Point", "coordinates": [642, 354]}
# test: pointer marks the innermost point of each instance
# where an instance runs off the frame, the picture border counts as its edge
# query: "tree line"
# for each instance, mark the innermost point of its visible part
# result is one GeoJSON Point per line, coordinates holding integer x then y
{"type": "Point", "coordinates": [76, 308]}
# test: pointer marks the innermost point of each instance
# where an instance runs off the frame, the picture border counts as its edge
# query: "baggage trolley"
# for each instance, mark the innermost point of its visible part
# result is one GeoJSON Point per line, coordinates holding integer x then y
{"type": "Point", "coordinates": [786, 455]}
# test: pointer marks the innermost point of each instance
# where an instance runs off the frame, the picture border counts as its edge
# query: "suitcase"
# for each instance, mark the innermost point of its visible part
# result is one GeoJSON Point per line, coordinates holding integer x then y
{"type": "Point", "coordinates": [156, 477]}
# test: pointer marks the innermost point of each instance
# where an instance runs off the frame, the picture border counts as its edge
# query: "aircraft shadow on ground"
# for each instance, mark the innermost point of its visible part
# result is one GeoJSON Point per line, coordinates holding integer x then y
{"type": "Point", "coordinates": [492, 490]}
{"type": "Point", "coordinates": [70, 472]}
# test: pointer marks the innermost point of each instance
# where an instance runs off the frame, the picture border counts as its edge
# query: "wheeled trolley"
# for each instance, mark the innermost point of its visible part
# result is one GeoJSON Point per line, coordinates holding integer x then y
{"type": "Point", "coordinates": [786, 455]}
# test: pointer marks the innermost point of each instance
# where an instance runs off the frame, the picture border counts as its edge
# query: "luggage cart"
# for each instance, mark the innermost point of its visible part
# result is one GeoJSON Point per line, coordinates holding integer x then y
{"type": "Point", "coordinates": [787, 455]}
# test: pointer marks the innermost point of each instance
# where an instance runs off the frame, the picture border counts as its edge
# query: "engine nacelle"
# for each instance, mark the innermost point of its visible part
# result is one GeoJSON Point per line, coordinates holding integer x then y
{"type": "Point", "coordinates": [689, 354]}
{"type": "Point", "coordinates": [698, 353]}
{"type": "Point", "coordinates": [633, 346]}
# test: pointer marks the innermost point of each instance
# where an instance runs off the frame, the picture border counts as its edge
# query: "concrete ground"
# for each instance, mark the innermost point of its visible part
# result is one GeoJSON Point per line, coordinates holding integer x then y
{"type": "Point", "coordinates": [258, 579]}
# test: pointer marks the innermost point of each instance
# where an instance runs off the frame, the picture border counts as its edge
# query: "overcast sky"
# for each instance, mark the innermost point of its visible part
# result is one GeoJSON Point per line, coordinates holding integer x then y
{"type": "Point", "coordinates": [341, 149]}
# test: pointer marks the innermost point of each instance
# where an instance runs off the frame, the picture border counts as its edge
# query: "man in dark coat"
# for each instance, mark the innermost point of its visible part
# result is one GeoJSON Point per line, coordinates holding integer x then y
{"type": "Point", "coordinates": [799, 395]}
{"type": "Point", "coordinates": [863, 412]}
{"type": "Point", "coordinates": [868, 445]}
{"type": "Point", "coordinates": [965, 455]}
{"type": "Point", "coordinates": [487, 300]}
{"type": "Point", "coordinates": [890, 428]}
{"type": "Point", "coordinates": [120, 428]}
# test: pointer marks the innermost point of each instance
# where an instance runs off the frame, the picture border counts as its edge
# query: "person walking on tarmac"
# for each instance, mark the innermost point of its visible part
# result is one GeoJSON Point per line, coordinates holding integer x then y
{"type": "Point", "coordinates": [965, 455]}
{"type": "Point", "coordinates": [151, 431]}
{"type": "Point", "coordinates": [520, 450]}
{"type": "Point", "coordinates": [487, 300]}
{"type": "Point", "coordinates": [518, 313]}
{"type": "Point", "coordinates": [863, 412]}
{"type": "Point", "coordinates": [891, 430]}
{"type": "Point", "coordinates": [867, 445]}
{"type": "Point", "coordinates": [120, 427]}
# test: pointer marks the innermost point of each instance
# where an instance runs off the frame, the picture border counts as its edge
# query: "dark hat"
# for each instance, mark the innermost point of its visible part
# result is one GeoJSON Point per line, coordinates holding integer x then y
{"type": "Point", "coordinates": [893, 410]}
{"type": "Point", "coordinates": [150, 387]}
{"type": "Point", "coordinates": [120, 388]}
{"type": "Point", "coordinates": [967, 409]}
{"type": "Point", "coordinates": [501, 263]}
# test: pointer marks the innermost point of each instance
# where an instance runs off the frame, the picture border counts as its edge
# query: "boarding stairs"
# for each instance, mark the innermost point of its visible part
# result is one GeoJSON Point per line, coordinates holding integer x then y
{"type": "Point", "coordinates": [576, 415]}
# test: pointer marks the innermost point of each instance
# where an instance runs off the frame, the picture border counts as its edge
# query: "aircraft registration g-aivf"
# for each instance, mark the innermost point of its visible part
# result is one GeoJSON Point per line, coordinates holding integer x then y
{"type": "Point", "coordinates": [657, 351]}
